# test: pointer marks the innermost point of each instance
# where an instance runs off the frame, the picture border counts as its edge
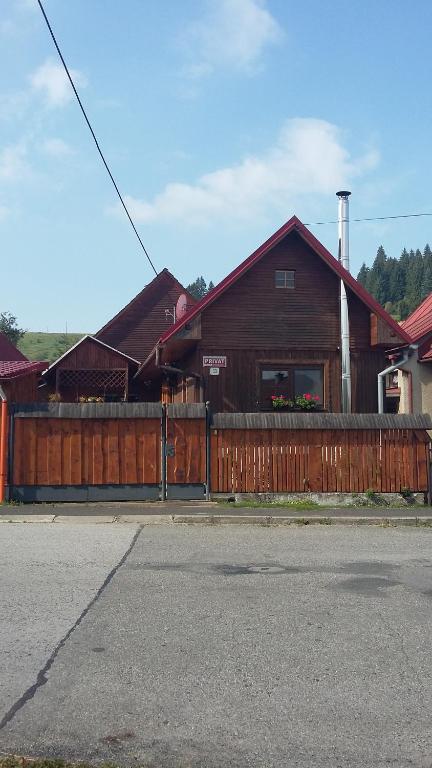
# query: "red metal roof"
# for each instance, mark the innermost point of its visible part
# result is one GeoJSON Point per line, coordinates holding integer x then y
{"type": "Point", "coordinates": [8, 351]}
{"type": "Point", "coordinates": [12, 369]}
{"type": "Point", "coordinates": [419, 323]}
{"type": "Point", "coordinates": [427, 356]}
{"type": "Point", "coordinates": [294, 224]}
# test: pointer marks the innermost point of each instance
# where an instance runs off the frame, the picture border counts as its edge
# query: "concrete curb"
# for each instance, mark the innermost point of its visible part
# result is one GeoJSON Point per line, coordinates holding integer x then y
{"type": "Point", "coordinates": [197, 519]}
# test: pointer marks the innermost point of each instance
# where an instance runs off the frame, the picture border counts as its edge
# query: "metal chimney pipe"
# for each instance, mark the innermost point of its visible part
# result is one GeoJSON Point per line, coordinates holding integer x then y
{"type": "Point", "coordinates": [343, 233]}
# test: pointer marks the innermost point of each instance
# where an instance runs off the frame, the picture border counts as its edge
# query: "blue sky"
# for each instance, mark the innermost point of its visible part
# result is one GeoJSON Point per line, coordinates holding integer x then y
{"type": "Point", "coordinates": [220, 119]}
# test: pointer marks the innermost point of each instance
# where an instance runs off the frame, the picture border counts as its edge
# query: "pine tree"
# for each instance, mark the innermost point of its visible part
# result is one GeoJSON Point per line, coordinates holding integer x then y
{"type": "Point", "coordinates": [199, 288]}
{"type": "Point", "coordinates": [426, 285]}
{"type": "Point", "coordinates": [363, 275]}
{"type": "Point", "coordinates": [414, 280]}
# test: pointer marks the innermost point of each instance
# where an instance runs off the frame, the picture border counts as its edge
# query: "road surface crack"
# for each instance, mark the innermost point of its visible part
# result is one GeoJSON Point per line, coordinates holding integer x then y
{"type": "Point", "coordinates": [41, 677]}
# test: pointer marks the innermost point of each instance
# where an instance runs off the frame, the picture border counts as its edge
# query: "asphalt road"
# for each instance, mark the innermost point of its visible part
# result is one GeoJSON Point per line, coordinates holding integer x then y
{"type": "Point", "coordinates": [179, 647]}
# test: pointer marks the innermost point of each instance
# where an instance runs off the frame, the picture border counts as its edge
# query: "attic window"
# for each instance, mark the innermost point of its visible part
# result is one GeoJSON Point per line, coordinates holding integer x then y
{"type": "Point", "coordinates": [284, 278]}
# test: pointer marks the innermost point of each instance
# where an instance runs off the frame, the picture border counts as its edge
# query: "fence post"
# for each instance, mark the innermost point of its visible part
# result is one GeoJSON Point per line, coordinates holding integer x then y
{"type": "Point", "coordinates": [163, 453]}
{"type": "Point", "coordinates": [3, 445]}
{"type": "Point", "coordinates": [208, 469]}
{"type": "Point", "coordinates": [429, 474]}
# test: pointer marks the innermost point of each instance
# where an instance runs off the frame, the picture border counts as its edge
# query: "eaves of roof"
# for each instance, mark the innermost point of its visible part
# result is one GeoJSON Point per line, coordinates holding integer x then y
{"type": "Point", "coordinates": [419, 323]}
{"type": "Point", "coordinates": [147, 292]}
{"type": "Point", "coordinates": [97, 341]}
{"type": "Point", "coordinates": [13, 369]}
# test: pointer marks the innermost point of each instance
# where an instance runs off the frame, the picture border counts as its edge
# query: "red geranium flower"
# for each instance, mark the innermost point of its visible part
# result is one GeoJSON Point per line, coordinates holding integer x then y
{"type": "Point", "coordinates": [307, 396]}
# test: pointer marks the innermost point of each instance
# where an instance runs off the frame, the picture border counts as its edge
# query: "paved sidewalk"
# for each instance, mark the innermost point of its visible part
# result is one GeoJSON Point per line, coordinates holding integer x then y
{"type": "Point", "coordinates": [207, 512]}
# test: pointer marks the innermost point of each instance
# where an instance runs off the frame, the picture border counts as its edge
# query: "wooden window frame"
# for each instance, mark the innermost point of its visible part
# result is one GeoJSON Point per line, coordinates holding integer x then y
{"type": "Point", "coordinates": [285, 272]}
{"type": "Point", "coordinates": [324, 364]}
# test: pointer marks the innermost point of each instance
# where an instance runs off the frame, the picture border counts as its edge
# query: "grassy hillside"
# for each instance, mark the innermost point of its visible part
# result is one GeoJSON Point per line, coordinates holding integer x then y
{"type": "Point", "coordinates": [47, 346]}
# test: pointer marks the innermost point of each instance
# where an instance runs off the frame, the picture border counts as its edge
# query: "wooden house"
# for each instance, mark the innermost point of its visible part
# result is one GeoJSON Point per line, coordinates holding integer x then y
{"type": "Point", "coordinates": [104, 365]}
{"type": "Point", "coordinates": [19, 377]}
{"type": "Point", "coordinates": [272, 328]}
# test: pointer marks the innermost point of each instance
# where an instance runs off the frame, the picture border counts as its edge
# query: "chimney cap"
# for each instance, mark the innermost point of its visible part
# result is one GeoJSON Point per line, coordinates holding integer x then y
{"type": "Point", "coordinates": [343, 193]}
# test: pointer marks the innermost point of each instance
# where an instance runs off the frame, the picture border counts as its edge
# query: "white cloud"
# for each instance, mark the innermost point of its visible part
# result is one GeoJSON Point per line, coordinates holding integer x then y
{"type": "Point", "coordinates": [233, 35]}
{"type": "Point", "coordinates": [51, 80]}
{"type": "Point", "coordinates": [13, 164]}
{"type": "Point", "coordinates": [56, 148]}
{"type": "Point", "coordinates": [308, 159]}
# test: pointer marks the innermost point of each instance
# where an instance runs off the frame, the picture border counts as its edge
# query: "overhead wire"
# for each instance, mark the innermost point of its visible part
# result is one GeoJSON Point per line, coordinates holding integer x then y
{"type": "Point", "coordinates": [94, 137]}
{"type": "Point", "coordinates": [372, 218]}
{"type": "Point", "coordinates": [311, 224]}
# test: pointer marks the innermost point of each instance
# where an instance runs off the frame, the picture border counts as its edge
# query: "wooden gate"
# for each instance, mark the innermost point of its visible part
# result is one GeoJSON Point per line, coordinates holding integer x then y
{"type": "Point", "coordinates": [186, 452]}
{"type": "Point", "coordinates": [85, 452]}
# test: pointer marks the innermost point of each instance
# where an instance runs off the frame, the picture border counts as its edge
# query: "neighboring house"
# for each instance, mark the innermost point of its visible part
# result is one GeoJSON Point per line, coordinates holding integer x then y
{"type": "Point", "coordinates": [272, 327]}
{"type": "Point", "coordinates": [104, 365]}
{"type": "Point", "coordinates": [409, 388]}
{"type": "Point", "coordinates": [19, 377]}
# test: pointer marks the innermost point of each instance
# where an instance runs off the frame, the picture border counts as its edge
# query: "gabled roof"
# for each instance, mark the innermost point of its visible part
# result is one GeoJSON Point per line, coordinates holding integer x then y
{"type": "Point", "coordinates": [419, 323]}
{"type": "Point", "coordinates": [138, 325]}
{"type": "Point", "coordinates": [97, 341]}
{"type": "Point", "coordinates": [12, 369]}
{"type": "Point", "coordinates": [294, 224]}
{"type": "Point", "coordinates": [8, 351]}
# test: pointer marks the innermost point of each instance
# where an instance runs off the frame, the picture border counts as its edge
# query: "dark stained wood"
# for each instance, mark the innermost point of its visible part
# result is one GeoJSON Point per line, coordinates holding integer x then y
{"type": "Point", "coordinates": [90, 354]}
{"type": "Point", "coordinates": [22, 389]}
{"type": "Point", "coordinates": [137, 327]}
{"type": "Point", "coordinates": [322, 461]}
{"type": "Point", "coordinates": [253, 323]}
{"type": "Point", "coordinates": [86, 452]}
{"type": "Point", "coordinates": [188, 438]}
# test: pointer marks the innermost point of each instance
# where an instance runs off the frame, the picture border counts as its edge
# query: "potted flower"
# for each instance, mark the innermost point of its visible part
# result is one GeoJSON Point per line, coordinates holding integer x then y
{"type": "Point", "coordinates": [306, 402]}
{"type": "Point", "coordinates": [281, 401]}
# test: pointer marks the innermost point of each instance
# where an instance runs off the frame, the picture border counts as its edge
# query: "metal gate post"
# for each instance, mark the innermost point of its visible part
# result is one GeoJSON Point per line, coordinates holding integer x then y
{"type": "Point", "coordinates": [208, 472]}
{"type": "Point", "coordinates": [10, 462]}
{"type": "Point", "coordinates": [163, 453]}
{"type": "Point", "coordinates": [429, 475]}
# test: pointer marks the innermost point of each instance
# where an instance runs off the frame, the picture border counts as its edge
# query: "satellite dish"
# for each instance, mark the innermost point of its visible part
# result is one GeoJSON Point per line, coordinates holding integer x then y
{"type": "Point", "coordinates": [181, 306]}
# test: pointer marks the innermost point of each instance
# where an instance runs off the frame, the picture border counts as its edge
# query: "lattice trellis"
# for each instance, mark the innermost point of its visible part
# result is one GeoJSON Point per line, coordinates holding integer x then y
{"type": "Point", "coordinates": [92, 379]}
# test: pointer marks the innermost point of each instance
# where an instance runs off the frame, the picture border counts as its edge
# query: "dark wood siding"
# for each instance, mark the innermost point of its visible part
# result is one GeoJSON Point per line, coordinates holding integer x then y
{"type": "Point", "coordinates": [237, 387]}
{"type": "Point", "coordinates": [138, 327]}
{"type": "Point", "coordinates": [23, 389]}
{"type": "Point", "coordinates": [90, 354]}
{"type": "Point", "coordinates": [253, 323]}
{"type": "Point", "coordinates": [255, 314]}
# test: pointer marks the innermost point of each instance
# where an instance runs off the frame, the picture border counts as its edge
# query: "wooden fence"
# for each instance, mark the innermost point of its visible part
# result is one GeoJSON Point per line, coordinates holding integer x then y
{"type": "Point", "coordinates": [324, 461]}
{"type": "Point", "coordinates": [74, 452]}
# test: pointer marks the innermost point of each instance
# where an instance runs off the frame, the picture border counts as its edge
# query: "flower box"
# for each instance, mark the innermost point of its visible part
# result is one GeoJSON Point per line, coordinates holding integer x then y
{"type": "Point", "coordinates": [306, 402]}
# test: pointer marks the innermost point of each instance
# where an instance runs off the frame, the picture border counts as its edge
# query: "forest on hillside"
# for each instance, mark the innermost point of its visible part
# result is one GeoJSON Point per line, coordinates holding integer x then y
{"type": "Point", "coordinates": [400, 285]}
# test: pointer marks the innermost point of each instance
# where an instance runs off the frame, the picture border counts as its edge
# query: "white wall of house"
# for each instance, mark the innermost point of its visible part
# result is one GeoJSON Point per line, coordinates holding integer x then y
{"type": "Point", "coordinates": [421, 383]}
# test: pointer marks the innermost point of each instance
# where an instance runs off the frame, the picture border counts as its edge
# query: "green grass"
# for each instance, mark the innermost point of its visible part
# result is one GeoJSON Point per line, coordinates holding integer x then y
{"type": "Point", "coordinates": [37, 345]}
{"type": "Point", "coordinates": [312, 505]}
{"type": "Point", "coordinates": [271, 504]}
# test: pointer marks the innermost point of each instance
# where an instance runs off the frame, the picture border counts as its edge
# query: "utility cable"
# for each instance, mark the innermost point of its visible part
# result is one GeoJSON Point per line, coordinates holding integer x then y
{"type": "Point", "coordinates": [373, 218]}
{"type": "Point", "coordinates": [94, 136]}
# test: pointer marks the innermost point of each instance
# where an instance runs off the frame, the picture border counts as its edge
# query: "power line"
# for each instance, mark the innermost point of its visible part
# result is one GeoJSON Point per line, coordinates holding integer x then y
{"type": "Point", "coordinates": [94, 136]}
{"type": "Point", "coordinates": [373, 218]}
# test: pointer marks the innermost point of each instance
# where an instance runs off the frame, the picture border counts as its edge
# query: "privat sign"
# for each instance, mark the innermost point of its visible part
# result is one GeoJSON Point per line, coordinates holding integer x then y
{"type": "Point", "coordinates": [214, 362]}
